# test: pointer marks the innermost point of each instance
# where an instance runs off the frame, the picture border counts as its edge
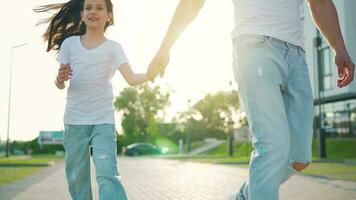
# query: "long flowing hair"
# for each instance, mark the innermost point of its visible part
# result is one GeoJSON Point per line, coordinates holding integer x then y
{"type": "Point", "coordinates": [66, 22]}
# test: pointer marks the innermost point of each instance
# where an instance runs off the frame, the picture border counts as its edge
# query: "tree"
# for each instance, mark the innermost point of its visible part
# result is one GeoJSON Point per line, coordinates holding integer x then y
{"type": "Point", "coordinates": [217, 112]}
{"type": "Point", "coordinates": [212, 116]}
{"type": "Point", "coordinates": [243, 121]}
{"type": "Point", "coordinates": [139, 107]}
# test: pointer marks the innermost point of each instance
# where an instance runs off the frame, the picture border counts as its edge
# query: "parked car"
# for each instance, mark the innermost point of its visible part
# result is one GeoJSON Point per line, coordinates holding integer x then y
{"type": "Point", "coordinates": [137, 149]}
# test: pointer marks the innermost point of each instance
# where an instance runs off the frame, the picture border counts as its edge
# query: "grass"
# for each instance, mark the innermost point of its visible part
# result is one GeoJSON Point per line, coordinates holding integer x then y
{"type": "Point", "coordinates": [241, 149]}
{"type": "Point", "coordinates": [196, 144]}
{"type": "Point", "coordinates": [15, 168]}
{"type": "Point", "coordinates": [13, 174]}
{"type": "Point", "coordinates": [29, 160]}
{"type": "Point", "coordinates": [340, 171]}
{"type": "Point", "coordinates": [338, 150]}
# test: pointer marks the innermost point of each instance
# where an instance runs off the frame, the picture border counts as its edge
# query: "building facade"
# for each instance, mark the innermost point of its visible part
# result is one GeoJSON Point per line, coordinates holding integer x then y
{"type": "Point", "coordinates": [336, 107]}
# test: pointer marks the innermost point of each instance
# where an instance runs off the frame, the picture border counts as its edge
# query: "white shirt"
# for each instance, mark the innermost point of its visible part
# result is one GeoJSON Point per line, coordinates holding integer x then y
{"type": "Point", "coordinates": [280, 19]}
{"type": "Point", "coordinates": [89, 95]}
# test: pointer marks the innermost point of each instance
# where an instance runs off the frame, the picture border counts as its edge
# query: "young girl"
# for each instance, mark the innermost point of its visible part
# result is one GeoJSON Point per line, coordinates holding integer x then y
{"type": "Point", "coordinates": [89, 61]}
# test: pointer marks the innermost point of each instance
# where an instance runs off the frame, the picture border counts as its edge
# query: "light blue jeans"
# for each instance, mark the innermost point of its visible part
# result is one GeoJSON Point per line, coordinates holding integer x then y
{"type": "Point", "coordinates": [275, 91]}
{"type": "Point", "coordinates": [102, 138]}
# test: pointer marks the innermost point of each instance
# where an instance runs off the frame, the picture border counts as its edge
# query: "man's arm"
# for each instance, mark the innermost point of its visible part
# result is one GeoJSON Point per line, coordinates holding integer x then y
{"type": "Point", "coordinates": [185, 13]}
{"type": "Point", "coordinates": [325, 17]}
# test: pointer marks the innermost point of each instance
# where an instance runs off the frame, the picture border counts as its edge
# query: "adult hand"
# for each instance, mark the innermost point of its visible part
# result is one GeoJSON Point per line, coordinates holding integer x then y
{"type": "Point", "coordinates": [158, 65]}
{"type": "Point", "coordinates": [345, 68]}
{"type": "Point", "coordinates": [64, 73]}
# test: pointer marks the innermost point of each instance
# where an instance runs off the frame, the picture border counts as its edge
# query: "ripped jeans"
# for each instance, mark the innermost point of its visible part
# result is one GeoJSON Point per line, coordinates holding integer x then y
{"type": "Point", "coordinates": [275, 91]}
{"type": "Point", "coordinates": [102, 139]}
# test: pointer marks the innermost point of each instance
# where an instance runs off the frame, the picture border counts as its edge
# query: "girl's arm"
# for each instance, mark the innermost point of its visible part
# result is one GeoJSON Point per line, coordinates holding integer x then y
{"type": "Point", "coordinates": [64, 74]}
{"type": "Point", "coordinates": [131, 78]}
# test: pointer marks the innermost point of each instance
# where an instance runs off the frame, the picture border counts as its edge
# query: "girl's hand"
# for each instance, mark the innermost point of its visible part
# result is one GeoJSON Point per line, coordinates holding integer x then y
{"type": "Point", "coordinates": [64, 73]}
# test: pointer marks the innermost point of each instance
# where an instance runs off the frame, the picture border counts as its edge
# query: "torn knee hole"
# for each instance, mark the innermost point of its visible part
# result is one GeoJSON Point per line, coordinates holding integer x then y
{"type": "Point", "coordinates": [300, 166]}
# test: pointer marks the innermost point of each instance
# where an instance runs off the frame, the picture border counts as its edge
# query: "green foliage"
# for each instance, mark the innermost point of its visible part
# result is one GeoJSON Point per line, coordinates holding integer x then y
{"type": "Point", "coordinates": [152, 129]}
{"type": "Point", "coordinates": [211, 116]}
{"type": "Point", "coordinates": [33, 147]}
{"type": "Point", "coordinates": [216, 111]}
{"type": "Point", "coordinates": [171, 131]}
{"type": "Point", "coordinates": [139, 107]}
{"type": "Point", "coordinates": [243, 121]}
{"type": "Point", "coordinates": [121, 142]}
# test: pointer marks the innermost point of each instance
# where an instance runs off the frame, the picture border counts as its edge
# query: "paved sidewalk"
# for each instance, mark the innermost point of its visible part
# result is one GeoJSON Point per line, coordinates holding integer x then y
{"type": "Point", "coordinates": [160, 179]}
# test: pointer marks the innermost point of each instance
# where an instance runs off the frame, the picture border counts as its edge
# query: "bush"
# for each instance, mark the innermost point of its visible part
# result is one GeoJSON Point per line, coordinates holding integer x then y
{"type": "Point", "coordinates": [33, 147]}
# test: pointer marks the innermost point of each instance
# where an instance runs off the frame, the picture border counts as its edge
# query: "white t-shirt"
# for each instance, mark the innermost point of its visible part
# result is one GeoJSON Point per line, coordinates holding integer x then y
{"type": "Point", "coordinates": [280, 19]}
{"type": "Point", "coordinates": [89, 95]}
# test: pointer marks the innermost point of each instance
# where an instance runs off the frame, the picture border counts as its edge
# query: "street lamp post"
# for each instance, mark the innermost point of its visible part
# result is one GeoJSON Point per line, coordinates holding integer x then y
{"type": "Point", "coordinates": [230, 125]}
{"type": "Point", "coordinates": [230, 129]}
{"type": "Point", "coordinates": [188, 137]}
{"type": "Point", "coordinates": [320, 130]}
{"type": "Point", "coordinates": [9, 102]}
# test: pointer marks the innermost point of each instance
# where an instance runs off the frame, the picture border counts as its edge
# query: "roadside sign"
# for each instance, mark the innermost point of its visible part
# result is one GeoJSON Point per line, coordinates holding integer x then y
{"type": "Point", "coordinates": [51, 137]}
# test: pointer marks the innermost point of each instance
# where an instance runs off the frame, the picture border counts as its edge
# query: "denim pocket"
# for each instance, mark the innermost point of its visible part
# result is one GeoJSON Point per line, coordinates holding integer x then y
{"type": "Point", "coordinates": [250, 41]}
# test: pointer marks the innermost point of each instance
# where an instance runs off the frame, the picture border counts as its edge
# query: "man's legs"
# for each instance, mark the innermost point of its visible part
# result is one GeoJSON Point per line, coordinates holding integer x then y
{"type": "Point", "coordinates": [297, 97]}
{"type": "Point", "coordinates": [299, 107]}
{"type": "Point", "coordinates": [77, 161]}
{"type": "Point", "coordinates": [104, 155]}
{"type": "Point", "coordinates": [261, 76]}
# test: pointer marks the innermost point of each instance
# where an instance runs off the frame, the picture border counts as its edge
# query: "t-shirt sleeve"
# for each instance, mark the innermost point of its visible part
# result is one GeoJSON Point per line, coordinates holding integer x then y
{"type": "Point", "coordinates": [119, 56]}
{"type": "Point", "coordinates": [63, 54]}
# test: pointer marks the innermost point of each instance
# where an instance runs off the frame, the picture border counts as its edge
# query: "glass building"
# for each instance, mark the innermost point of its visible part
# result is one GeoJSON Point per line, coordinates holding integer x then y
{"type": "Point", "coordinates": [336, 107]}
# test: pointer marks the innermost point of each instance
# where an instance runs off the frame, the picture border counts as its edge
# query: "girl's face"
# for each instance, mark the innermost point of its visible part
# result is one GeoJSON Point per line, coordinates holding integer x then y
{"type": "Point", "coordinates": [95, 14]}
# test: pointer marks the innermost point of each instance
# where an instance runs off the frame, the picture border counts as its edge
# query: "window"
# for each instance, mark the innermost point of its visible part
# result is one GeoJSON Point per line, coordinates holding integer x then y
{"type": "Point", "coordinates": [338, 118]}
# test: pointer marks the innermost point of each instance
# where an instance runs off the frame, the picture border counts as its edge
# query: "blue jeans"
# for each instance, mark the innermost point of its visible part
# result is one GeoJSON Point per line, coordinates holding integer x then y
{"type": "Point", "coordinates": [102, 138]}
{"type": "Point", "coordinates": [275, 91]}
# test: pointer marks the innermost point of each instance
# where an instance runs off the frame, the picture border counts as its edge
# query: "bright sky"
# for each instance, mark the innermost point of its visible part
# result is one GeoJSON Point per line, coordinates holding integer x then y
{"type": "Point", "coordinates": [200, 61]}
